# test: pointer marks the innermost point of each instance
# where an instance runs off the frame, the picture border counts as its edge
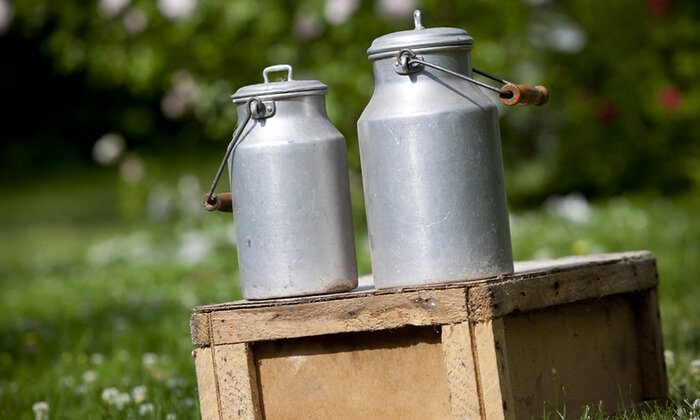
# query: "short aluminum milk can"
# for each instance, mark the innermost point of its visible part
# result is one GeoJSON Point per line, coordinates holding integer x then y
{"type": "Point", "coordinates": [431, 163]}
{"type": "Point", "coordinates": [290, 192]}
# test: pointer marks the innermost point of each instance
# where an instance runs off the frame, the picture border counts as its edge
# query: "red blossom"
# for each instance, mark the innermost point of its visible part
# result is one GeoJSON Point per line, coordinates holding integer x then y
{"type": "Point", "coordinates": [670, 98]}
{"type": "Point", "coordinates": [606, 112]}
{"type": "Point", "coordinates": [657, 7]}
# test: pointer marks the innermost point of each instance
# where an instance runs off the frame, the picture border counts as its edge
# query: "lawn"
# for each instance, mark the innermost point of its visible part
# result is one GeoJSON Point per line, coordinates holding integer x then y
{"type": "Point", "coordinates": [99, 277]}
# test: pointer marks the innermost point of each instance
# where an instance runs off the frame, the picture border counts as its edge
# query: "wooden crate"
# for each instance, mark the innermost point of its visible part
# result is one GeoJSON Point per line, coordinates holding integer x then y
{"type": "Point", "coordinates": [558, 334]}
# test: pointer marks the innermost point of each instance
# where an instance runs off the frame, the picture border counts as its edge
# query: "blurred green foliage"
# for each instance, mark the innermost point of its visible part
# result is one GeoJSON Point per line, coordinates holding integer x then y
{"type": "Point", "coordinates": [622, 114]}
{"type": "Point", "coordinates": [88, 275]}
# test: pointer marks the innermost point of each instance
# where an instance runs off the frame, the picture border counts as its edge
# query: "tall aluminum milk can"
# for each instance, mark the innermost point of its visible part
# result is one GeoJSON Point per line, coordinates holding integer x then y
{"type": "Point", "coordinates": [431, 163]}
{"type": "Point", "coordinates": [290, 192]}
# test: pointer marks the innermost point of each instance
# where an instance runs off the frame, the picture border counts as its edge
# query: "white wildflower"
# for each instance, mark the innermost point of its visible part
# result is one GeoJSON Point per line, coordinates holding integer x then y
{"type": "Point", "coordinates": [307, 27]}
{"type": "Point", "coordinates": [41, 410]}
{"type": "Point", "coordinates": [176, 9]}
{"type": "Point", "coordinates": [139, 393]}
{"type": "Point", "coordinates": [66, 381]}
{"type": "Point", "coordinates": [560, 34]}
{"type": "Point", "coordinates": [396, 9]}
{"type": "Point", "coordinates": [567, 38]}
{"type": "Point", "coordinates": [695, 367]}
{"type": "Point", "coordinates": [339, 11]}
{"type": "Point", "coordinates": [146, 408]}
{"type": "Point", "coordinates": [194, 248]}
{"type": "Point", "coordinates": [173, 105]}
{"type": "Point", "coordinates": [149, 360]}
{"type": "Point", "coordinates": [160, 202]}
{"type": "Point", "coordinates": [184, 95]}
{"type": "Point", "coordinates": [190, 191]}
{"type": "Point", "coordinates": [120, 323]}
{"type": "Point", "coordinates": [7, 14]}
{"type": "Point", "coordinates": [170, 416]}
{"type": "Point", "coordinates": [108, 148]}
{"type": "Point", "coordinates": [132, 169]}
{"type": "Point", "coordinates": [670, 357]}
{"type": "Point", "coordinates": [135, 21]}
{"type": "Point", "coordinates": [109, 395]}
{"type": "Point", "coordinates": [111, 8]}
{"type": "Point", "coordinates": [572, 207]}
{"type": "Point", "coordinates": [97, 358]}
{"type": "Point", "coordinates": [188, 402]}
{"type": "Point", "coordinates": [90, 376]}
{"type": "Point", "coordinates": [121, 400]}
{"type": "Point", "coordinates": [175, 382]}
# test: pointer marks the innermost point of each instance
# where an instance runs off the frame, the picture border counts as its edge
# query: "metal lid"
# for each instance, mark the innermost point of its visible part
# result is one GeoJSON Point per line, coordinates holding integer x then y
{"type": "Point", "coordinates": [419, 37]}
{"type": "Point", "coordinates": [277, 90]}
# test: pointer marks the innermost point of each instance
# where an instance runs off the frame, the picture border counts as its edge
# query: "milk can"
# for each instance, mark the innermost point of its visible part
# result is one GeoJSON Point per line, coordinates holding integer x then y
{"type": "Point", "coordinates": [290, 192]}
{"type": "Point", "coordinates": [431, 161]}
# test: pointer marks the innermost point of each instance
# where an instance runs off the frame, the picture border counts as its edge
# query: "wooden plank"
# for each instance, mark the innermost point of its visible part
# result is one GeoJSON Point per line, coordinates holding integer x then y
{"type": "Point", "coordinates": [367, 313]}
{"type": "Point", "coordinates": [237, 380]}
{"type": "Point", "coordinates": [570, 356]}
{"type": "Point", "coordinates": [557, 287]}
{"type": "Point", "coordinates": [395, 374]}
{"type": "Point", "coordinates": [523, 270]}
{"type": "Point", "coordinates": [461, 372]}
{"type": "Point", "coordinates": [574, 261]}
{"type": "Point", "coordinates": [492, 366]}
{"type": "Point", "coordinates": [651, 348]}
{"type": "Point", "coordinates": [589, 278]}
{"type": "Point", "coordinates": [206, 384]}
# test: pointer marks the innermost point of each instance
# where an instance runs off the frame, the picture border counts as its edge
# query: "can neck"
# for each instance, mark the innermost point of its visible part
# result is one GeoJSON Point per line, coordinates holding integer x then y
{"type": "Point", "coordinates": [457, 60]}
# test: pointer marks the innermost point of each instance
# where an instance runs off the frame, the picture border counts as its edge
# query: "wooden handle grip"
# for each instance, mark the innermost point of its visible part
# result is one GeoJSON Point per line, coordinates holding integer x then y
{"type": "Point", "coordinates": [222, 202]}
{"type": "Point", "coordinates": [525, 95]}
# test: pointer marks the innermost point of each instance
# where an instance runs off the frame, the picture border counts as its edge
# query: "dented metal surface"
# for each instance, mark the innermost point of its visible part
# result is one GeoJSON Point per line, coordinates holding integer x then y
{"type": "Point", "coordinates": [431, 166]}
{"type": "Point", "coordinates": [291, 194]}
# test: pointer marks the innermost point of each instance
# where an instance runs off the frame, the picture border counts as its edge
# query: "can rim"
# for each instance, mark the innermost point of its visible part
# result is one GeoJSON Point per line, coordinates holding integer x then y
{"type": "Point", "coordinates": [279, 90]}
{"type": "Point", "coordinates": [283, 89]}
{"type": "Point", "coordinates": [420, 38]}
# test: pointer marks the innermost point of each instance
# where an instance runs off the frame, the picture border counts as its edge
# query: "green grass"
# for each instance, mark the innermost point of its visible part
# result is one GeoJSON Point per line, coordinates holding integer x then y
{"type": "Point", "coordinates": [94, 296]}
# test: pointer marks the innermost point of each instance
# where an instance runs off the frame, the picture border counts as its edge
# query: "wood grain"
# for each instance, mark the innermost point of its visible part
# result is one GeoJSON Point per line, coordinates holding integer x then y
{"type": "Point", "coordinates": [651, 348]}
{"type": "Point", "coordinates": [543, 284]}
{"type": "Point", "coordinates": [366, 313]}
{"type": "Point", "coordinates": [396, 374]}
{"type": "Point", "coordinates": [206, 384]}
{"type": "Point", "coordinates": [523, 270]}
{"type": "Point", "coordinates": [558, 333]}
{"type": "Point", "coordinates": [573, 355]}
{"type": "Point", "coordinates": [461, 373]}
{"type": "Point", "coordinates": [494, 378]}
{"type": "Point", "coordinates": [238, 384]}
{"type": "Point", "coordinates": [560, 286]}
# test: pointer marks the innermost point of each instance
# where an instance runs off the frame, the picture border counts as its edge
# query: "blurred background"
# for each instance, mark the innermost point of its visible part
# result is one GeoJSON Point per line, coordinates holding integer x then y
{"type": "Point", "coordinates": [115, 115]}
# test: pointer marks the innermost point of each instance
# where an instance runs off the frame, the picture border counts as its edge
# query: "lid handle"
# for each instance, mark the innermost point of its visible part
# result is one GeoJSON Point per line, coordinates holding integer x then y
{"type": "Point", "coordinates": [416, 20]}
{"type": "Point", "coordinates": [275, 68]}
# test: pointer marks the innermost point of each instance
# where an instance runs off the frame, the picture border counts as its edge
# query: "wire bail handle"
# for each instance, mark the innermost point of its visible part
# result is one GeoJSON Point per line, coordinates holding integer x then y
{"type": "Point", "coordinates": [407, 62]}
{"type": "Point", "coordinates": [254, 108]}
{"type": "Point", "coordinates": [210, 201]}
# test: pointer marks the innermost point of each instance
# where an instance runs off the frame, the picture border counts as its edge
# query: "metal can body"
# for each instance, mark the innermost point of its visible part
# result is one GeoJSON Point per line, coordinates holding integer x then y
{"type": "Point", "coordinates": [291, 202]}
{"type": "Point", "coordinates": [433, 175]}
